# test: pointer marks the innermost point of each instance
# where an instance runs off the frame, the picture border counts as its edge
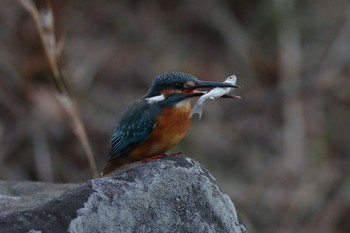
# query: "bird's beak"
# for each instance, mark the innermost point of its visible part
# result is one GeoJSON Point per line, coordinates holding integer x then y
{"type": "Point", "coordinates": [210, 84]}
{"type": "Point", "coordinates": [193, 92]}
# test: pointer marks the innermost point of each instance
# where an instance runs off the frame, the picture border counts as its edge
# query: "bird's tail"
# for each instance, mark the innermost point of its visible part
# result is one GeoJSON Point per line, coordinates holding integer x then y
{"type": "Point", "coordinates": [115, 163]}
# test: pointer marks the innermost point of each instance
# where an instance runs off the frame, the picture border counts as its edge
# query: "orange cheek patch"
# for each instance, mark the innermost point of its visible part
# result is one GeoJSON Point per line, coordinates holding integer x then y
{"type": "Point", "coordinates": [167, 92]}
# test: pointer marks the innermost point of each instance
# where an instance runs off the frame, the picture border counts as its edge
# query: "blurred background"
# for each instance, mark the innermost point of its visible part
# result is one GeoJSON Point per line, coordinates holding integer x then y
{"type": "Point", "coordinates": [282, 152]}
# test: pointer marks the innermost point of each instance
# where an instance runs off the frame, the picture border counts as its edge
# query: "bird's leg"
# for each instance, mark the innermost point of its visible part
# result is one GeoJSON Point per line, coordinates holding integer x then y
{"type": "Point", "coordinates": [150, 158]}
{"type": "Point", "coordinates": [176, 154]}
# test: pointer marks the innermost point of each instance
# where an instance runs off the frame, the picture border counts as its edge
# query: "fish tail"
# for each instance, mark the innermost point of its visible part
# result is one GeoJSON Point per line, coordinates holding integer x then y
{"type": "Point", "coordinates": [197, 109]}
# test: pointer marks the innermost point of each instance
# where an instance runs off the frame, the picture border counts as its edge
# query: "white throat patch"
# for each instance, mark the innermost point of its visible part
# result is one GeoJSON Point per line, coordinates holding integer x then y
{"type": "Point", "coordinates": [184, 103]}
{"type": "Point", "coordinates": [155, 99]}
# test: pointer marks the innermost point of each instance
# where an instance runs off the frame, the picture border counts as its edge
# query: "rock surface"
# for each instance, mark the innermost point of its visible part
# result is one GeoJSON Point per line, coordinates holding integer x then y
{"type": "Point", "coordinates": [173, 194]}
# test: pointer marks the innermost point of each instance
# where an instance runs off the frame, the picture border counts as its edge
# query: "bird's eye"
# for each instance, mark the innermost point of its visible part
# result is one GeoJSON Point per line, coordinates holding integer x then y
{"type": "Point", "coordinates": [178, 85]}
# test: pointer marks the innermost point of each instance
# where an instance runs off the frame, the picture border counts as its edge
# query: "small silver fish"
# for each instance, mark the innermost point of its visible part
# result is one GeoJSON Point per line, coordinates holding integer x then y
{"type": "Point", "coordinates": [213, 94]}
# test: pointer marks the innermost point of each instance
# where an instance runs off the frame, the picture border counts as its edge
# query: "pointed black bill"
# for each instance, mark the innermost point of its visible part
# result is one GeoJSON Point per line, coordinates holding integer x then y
{"type": "Point", "coordinates": [208, 84]}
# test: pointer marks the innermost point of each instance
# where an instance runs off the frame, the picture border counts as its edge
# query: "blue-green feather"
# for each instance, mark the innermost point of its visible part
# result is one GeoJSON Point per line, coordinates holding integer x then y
{"type": "Point", "coordinates": [134, 127]}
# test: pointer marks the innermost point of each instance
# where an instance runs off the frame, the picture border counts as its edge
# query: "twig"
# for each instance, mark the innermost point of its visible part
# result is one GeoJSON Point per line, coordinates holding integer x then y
{"type": "Point", "coordinates": [44, 21]}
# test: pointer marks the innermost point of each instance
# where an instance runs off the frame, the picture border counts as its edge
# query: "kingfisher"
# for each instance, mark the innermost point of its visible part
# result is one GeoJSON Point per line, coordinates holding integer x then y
{"type": "Point", "coordinates": [158, 121]}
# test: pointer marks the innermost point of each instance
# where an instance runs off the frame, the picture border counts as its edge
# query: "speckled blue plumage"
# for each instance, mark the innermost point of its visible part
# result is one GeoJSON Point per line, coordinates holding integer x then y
{"type": "Point", "coordinates": [169, 80]}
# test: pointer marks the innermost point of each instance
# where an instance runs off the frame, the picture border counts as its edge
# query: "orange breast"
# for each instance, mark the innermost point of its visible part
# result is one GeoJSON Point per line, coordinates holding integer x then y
{"type": "Point", "coordinates": [172, 125]}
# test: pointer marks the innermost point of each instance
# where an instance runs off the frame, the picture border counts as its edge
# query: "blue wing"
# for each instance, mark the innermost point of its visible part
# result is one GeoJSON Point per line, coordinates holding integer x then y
{"type": "Point", "coordinates": [135, 127]}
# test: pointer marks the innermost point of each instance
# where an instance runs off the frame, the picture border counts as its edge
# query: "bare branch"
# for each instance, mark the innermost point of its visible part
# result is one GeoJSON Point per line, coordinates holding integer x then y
{"type": "Point", "coordinates": [44, 21]}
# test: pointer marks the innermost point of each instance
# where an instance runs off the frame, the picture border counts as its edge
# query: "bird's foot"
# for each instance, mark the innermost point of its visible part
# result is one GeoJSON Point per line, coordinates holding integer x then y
{"type": "Point", "coordinates": [176, 154]}
{"type": "Point", "coordinates": [148, 159]}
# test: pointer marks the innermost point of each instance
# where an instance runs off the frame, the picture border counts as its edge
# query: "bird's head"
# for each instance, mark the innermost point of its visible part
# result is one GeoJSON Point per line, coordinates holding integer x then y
{"type": "Point", "coordinates": [177, 83]}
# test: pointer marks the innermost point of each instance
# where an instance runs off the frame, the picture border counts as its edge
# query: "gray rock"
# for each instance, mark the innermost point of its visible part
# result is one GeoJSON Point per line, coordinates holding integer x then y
{"type": "Point", "coordinates": [173, 194]}
{"type": "Point", "coordinates": [17, 196]}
